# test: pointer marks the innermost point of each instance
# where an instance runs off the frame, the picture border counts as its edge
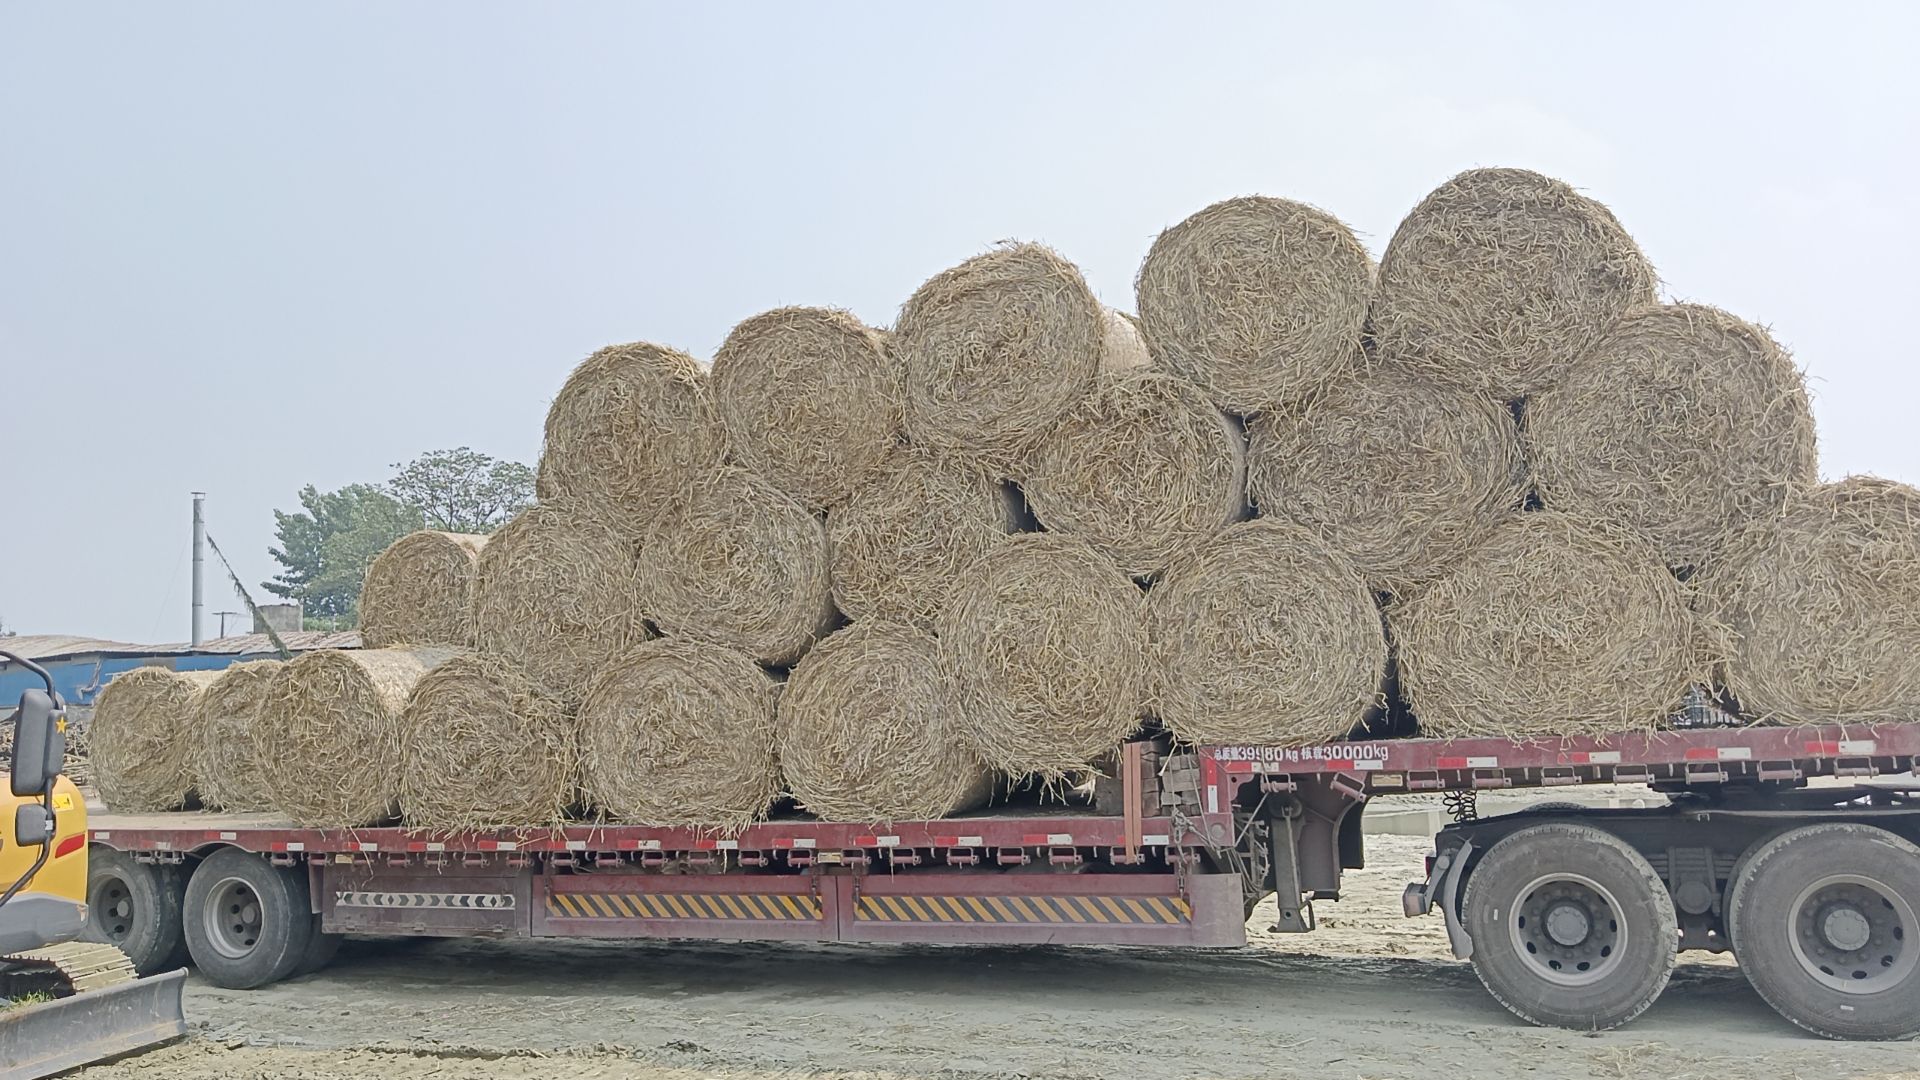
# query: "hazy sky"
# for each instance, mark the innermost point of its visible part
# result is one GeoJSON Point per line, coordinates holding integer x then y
{"type": "Point", "coordinates": [249, 247]}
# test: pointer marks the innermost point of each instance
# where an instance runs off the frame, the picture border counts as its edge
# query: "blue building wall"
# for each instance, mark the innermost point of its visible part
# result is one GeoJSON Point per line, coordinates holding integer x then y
{"type": "Point", "coordinates": [80, 678]}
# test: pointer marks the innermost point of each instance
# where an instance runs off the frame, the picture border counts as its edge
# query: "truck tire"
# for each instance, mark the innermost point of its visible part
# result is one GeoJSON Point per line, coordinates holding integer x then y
{"type": "Point", "coordinates": [1571, 927]}
{"type": "Point", "coordinates": [135, 907]}
{"type": "Point", "coordinates": [248, 923]}
{"type": "Point", "coordinates": [1824, 924]}
{"type": "Point", "coordinates": [321, 949]}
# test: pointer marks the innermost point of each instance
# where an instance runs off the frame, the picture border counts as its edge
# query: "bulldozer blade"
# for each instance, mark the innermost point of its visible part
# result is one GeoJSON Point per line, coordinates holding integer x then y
{"type": "Point", "coordinates": [91, 1026]}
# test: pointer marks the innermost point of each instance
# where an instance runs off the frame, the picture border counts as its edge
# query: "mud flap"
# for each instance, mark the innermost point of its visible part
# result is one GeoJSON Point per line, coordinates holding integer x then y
{"type": "Point", "coordinates": [91, 1026]}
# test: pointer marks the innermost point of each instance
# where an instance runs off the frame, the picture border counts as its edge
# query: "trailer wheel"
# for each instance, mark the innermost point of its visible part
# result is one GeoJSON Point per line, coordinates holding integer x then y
{"type": "Point", "coordinates": [321, 949]}
{"type": "Point", "coordinates": [1571, 927]}
{"type": "Point", "coordinates": [135, 907]}
{"type": "Point", "coordinates": [248, 923]}
{"type": "Point", "coordinates": [1824, 926]}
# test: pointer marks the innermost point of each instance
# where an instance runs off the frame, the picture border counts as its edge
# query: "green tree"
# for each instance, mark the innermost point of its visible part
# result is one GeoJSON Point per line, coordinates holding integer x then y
{"type": "Point", "coordinates": [463, 490]}
{"type": "Point", "coordinates": [326, 546]}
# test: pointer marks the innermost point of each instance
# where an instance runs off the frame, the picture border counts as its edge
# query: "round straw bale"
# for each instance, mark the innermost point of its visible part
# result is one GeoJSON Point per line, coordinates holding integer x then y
{"type": "Point", "coordinates": [1501, 278]}
{"type": "Point", "coordinates": [1046, 643]}
{"type": "Point", "coordinates": [1143, 469]}
{"type": "Point", "coordinates": [1258, 300]}
{"type": "Point", "coordinates": [1122, 348]}
{"type": "Point", "coordinates": [1683, 422]}
{"type": "Point", "coordinates": [1554, 626]}
{"type": "Point", "coordinates": [681, 732]}
{"type": "Point", "coordinates": [556, 593]}
{"type": "Point", "coordinates": [144, 738]}
{"type": "Point", "coordinates": [995, 349]}
{"type": "Point", "coordinates": [810, 400]}
{"type": "Point", "coordinates": [1820, 608]}
{"type": "Point", "coordinates": [228, 774]}
{"type": "Point", "coordinates": [869, 730]}
{"type": "Point", "coordinates": [901, 542]}
{"type": "Point", "coordinates": [1400, 476]}
{"type": "Point", "coordinates": [419, 591]}
{"type": "Point", "coordinates": [329, 733]}
{"type": "Point", "coordinates": [1265, 634]}
{"type": "Point", "coordinates": [742, 564]}
{"type": "Point", "coordinates": [484, 746]}
{"type": "Point", "coordinates": [632, 428]}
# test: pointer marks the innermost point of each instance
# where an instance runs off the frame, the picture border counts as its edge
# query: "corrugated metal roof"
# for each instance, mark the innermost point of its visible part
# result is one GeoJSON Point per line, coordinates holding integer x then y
{"type": "Point", "coordinates": [59, 646]}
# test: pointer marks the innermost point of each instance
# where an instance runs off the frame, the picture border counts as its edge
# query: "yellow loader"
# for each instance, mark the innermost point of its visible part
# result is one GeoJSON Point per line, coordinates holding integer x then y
{"type": "Point", "coordinates": [63, 1003]}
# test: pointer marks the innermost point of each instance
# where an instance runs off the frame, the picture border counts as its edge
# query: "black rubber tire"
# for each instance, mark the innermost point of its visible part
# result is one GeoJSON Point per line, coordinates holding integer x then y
{"type": "Point", "coordinates": [1760, 911]}
{"type": "Point", "coordinates": [1637, 975]}
{"type": "Point", "coordinates": [321, 949]}
{"type": "Point", "coordinates": [136, 906]}
{"type": "Point", "coordinates": [285, 920]}
{"type": "Point", "coordinates": [1560, 806]}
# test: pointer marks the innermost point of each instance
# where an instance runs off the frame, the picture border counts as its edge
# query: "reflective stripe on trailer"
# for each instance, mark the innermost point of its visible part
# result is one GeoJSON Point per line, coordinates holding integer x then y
{"type": "Point", "coordinates": [1080, 910]}
{"type": "Point", "coordinates": [724, 906]}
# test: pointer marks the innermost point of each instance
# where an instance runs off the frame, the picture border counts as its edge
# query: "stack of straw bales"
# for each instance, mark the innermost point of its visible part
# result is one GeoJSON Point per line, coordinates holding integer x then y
{"type": "Point", "coordinates": [1494, 476]}
{"type": "Point", "coordinates": [228, 775]}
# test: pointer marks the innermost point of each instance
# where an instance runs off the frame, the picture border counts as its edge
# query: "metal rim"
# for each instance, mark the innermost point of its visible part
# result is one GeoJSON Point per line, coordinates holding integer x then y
{"type": "Point", "coordinates": [111, 903]}
{"type": "Point", "coordinates": [1853, 934]}
{"type": "Point", "coordinates": [233, 918]}
{"type": "Point", "coordinates": [1568, 929]}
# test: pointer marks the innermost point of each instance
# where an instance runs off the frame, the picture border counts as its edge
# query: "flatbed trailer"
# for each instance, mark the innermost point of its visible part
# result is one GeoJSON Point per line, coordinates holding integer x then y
{"type": "Point", "coordinates": [1571, 915]}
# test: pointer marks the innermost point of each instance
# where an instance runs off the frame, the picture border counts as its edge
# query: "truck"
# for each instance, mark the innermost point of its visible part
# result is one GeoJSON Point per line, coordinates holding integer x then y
{"type": "Point", "coordinates": [1794, 847]}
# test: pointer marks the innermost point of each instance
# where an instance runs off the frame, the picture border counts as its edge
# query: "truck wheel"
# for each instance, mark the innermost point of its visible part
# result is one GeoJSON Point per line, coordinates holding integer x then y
{"type": "Point", "coordinates": [248, 923]}
{"type": "Point", "coordinates": [1571, 927]}
{"type": "Point", "coordinates": [135, 907]}
{"type": "Point", "coordinates": [1823, 920]}
{"type": "Point", "coordinates": [321, 949]}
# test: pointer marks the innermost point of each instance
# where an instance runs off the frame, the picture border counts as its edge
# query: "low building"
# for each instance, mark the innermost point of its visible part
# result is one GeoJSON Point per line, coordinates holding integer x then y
{"type": "Point", "coordinates": [80, 666]}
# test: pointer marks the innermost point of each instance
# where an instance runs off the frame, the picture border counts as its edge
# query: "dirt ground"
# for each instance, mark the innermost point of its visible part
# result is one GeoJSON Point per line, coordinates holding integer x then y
{"type": "Point", "coordinates": [1371, 996]}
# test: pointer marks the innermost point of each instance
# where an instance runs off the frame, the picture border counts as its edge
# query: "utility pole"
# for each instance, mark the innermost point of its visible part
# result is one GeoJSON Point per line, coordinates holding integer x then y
{"type": "Point", "coordinates": [222, 616]}
{"type": "Point", "coordinates": [199, 561]}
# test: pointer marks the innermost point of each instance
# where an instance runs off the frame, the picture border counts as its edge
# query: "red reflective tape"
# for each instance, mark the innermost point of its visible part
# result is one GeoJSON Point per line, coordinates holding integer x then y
{"type": "Point", "coordinates": [946, 841]}
{"type": "Point", "coordinates": [705, 845]}
{"type": "Point", "coordinates": [866, 841]}
{"type": "Point", "coordinates": [1338, 763]}
{"type": "Point", "coordinates": [70, 845]}
{"type": "Point", "coordinates": [1034, 840]}
{"type": "Point", "coordinates": [782, 843]}
{"type": "Point", "coordinates": [1823, 748]}
{"type": "Point", "coordinates": [1702, 753]}
{"type": "Point", "coordinates": [1450, 763]}
{"type": "Point", "coordinates": [416, 845]}
{"type": "Point", "coordinates": [1578, 757]}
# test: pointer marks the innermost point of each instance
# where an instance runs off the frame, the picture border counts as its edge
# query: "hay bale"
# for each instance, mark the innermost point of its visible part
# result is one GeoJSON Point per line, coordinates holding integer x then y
{"type": "Point", "coordinates": [419, 591]}
{"type": "Point", "coordinates": [1683, 422]}
{"type": "Point", "coordinates": [740, 563]}
{"type": "Point", "coordinates": [1265, 634]}
{"type": "Point", "coordinates": [228, 715]}
{"type": "Point", "coordinates": [144, 739]}
{"type": "Point", "coordinates": [1143, 469]}
{"type": "Point", "coordinates": [900, 543]}
{"type": "Point", "coordinates": [681, 732]}
{"type": "Point", "coordinates": [1819, 610]}
{"type": "Point", "coordinates": [633, 427]}
{"type": "Point", "coordinates": [1400, 476]}
{"type": "Point", "coordinates": [555, 592]}
{"type": "Point", "coordinates": [1122, 347]}
{"type": "Point", "coordinates": [484, 746]}
{"type": "Point", "coordinates": [869, 730]}
{"type": "Point", "coordinates": [1500, 279]}
{"type": "Point", "coordinates": [1259, 301]}
{"type": "Point", "coordinates": [330, 737]}
{"type": "Point", "coordinates": [1554, 626]}
{"type": "Point", "coordinates": [810, 400]}
{"type": "Point", "coordinates": [1046, 643]}
{"type": "Point", "coordinates": [996, 349]}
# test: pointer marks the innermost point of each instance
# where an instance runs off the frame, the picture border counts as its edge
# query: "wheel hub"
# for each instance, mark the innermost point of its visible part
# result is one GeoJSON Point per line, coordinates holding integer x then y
{"type": "Point", "coordinates": [1568, 928]}
{"type": "Point", "coordinates": [232, 919]}
{"type": "Point", "coordinates": [1568, 924]}
{"type": "Point", "coordinates": [114, 906]}
{"type": "Point", "coordinates": [1853, 934]}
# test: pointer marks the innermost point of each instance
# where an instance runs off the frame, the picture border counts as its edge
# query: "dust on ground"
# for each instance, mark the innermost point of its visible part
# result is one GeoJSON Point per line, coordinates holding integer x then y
{"type": "Point", "coordinates": [1371, 996]}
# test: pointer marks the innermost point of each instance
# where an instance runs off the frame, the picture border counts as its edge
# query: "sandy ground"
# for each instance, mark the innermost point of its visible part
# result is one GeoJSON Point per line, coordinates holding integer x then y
{"type": "Point", "coordinates": [1371, 996]}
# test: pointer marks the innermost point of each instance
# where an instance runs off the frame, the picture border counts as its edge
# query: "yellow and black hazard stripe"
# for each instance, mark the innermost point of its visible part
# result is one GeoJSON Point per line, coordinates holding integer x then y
{"type": "Point", "coordinates": [1127, 910]}
{"type": "Point", "coordinates": [731, 906]}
